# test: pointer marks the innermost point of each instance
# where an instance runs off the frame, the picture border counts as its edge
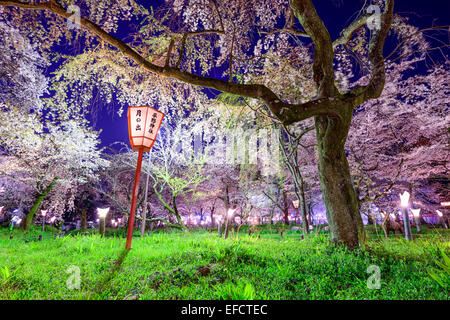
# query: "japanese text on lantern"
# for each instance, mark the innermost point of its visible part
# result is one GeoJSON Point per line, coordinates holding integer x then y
{"type": "Point", "coordinates": [144, 123]}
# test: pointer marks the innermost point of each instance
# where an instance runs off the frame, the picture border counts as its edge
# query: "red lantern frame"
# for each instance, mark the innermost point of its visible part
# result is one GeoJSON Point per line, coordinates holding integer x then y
{"type": "Point", "coordinates": [131, 137]}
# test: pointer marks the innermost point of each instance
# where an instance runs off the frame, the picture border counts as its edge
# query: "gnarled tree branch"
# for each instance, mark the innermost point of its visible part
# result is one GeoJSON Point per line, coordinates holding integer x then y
{"type": "Point", "coordinates": [296, 112]}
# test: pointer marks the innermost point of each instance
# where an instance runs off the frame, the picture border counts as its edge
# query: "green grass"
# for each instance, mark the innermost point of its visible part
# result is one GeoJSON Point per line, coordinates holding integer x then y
{"type": "Point", "coordinates": [200, 265]}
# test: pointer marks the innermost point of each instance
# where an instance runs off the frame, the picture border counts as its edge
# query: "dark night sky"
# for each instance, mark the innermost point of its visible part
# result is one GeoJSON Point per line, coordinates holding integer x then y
{"type": "Point", "coordinates": [336, 15]}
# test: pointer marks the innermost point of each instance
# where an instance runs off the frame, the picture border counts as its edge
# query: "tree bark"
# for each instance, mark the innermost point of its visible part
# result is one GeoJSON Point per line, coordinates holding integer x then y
{"type": "Point", "coordinates": [227, 221]}
{"type": "Point", "coordinates": [177, 214]}
{"type": "Point", "coordinates": [285, 209]}
{"type": "Point", "coordinates": [29, 218]}
{"type": "Point", "coordinates": [338, 194]}
{"type": "Point", "coordinates": [305, 222]}
{"type": "Point", "coordinates": [83, 219]}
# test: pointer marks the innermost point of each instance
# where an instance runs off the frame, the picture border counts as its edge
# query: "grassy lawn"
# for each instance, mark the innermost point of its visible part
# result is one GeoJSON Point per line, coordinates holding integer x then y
{"type": "Point", "coordinates": [200, 265]}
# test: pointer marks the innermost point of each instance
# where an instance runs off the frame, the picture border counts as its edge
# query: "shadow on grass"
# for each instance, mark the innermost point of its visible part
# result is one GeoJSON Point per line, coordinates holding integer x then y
{"type": "Point", "coordinates": [115, 269]}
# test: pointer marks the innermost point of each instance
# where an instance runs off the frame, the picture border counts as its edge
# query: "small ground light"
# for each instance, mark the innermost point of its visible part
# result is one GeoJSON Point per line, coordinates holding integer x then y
{"type": "Point", "coordinates": [229, 214]}
{"type": "Point", "coordinates": [441, 217]}
{"type": "Point", "coordinates": [404, 199]}
{"type": "Point", "coordinates": [296, 204]}
{"type": "Point", "coordinates": [416, 214]}
{"type": "Point", "coordinates": [43, 213]}
{"type": "Point", "coordinates": [102, 212]}
{"type": "Point", "coordinates": [404, 202]}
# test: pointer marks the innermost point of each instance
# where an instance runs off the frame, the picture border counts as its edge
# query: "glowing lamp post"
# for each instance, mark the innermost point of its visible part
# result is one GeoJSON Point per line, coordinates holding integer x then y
{"type": "Point", "coordinates": [143, 126]}
{"type": "Point", "coordinates": [404, 201]}
{"type": "Point", "coordinates": [441, 218]}
{"type": "Point", "coordinates": [219, 223]}
{"type": "Point", "coordinates": [227, 222]}
{"type": "Point", "coordinates": [296, 204]}
{"type": "Point", "coordinates": [416, 214]}
{"type": "Point", "coordinates": [102, 212]}
{"type": "Point", "coordinates": [44, 214]}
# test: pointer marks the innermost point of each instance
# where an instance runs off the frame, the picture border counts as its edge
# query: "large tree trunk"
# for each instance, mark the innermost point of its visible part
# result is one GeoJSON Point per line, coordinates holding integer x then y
{"type": "Point", "coordinates": [29, 218]}
{"type": "Point", "coordinates": [338, 194]}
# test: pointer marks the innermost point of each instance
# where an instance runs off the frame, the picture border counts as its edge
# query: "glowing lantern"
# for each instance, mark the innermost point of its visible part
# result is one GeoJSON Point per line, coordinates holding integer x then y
{"type": "Point", "coordinates": [441, 217]}
{"type": "Point", "coordinates": [296, 203]}
{"type": "Point", "coordinates": [143, 126]}
{"type": "Point", "coordinates": [1, 209]}
{"type": "Point", "coordinates": [404, 199]}
{"type": "Point", "coordinates": [43, 213]}
{"type": "Point", "coordinates": [102, 212]}
{"type": "Point", "coordinates": [416, 212]}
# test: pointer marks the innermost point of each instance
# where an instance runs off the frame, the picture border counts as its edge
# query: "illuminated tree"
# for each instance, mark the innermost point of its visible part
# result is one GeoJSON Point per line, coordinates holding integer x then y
{"type": "Point", "coordinates": [402, 137]}
{"type": "Point", "coordinates": [43, 154]}
{"type": "Point", "coordinates": [21, 70]}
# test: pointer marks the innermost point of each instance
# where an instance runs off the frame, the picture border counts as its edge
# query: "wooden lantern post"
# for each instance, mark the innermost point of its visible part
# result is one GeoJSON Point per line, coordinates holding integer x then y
{"type": "Point", "coordinates": [143, 126]}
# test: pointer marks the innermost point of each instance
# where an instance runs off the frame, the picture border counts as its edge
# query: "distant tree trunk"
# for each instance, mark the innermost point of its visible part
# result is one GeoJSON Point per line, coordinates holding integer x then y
{"type": "Point", "coordinates": [213, 220]}
{"type": "Point", "coordinates": [173, 211]}
{"type": "Point", "coordinates": [310, 212]}
{"type": "Point", "coordinates": [227, 221]}
{"type": "Point", "coordinates": [298, 183]}
{"type": "Point", "coordinates": [83, 219]}
{"type": "Point", "coordinates": [177, 214]}
{"type": "Point", "coordinates": [227, 203]}
{"type": "Point", "coordinates": [29, 218]}
{"type": "Point", "coordinates": [285, 209]}
{"type": "Point", "coordinates": [338, 194]}
{"type": "Point", "coordinates": [370, 219]}
{"type": "Point", "coordinates": [305, 222]}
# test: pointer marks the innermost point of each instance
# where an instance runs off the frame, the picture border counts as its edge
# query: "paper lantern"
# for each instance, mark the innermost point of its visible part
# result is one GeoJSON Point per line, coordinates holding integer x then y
{"type": "Point", "coordinates": [416, 212]}
{"type": "Point", "coordinates": [143, 126]}
{"type": "Point", "coordinates": [102, 212]}
{"type": "Point", "coordinates": [404, 199]}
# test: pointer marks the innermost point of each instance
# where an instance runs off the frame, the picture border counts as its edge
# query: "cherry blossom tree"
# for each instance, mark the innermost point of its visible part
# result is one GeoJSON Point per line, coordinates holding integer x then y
{"type": "Point", "coordinates": [402, 138]}
{"type": "Point", "coordinates": [45, 154]}
{"type": "Point", "coordinates": [21, 70]}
